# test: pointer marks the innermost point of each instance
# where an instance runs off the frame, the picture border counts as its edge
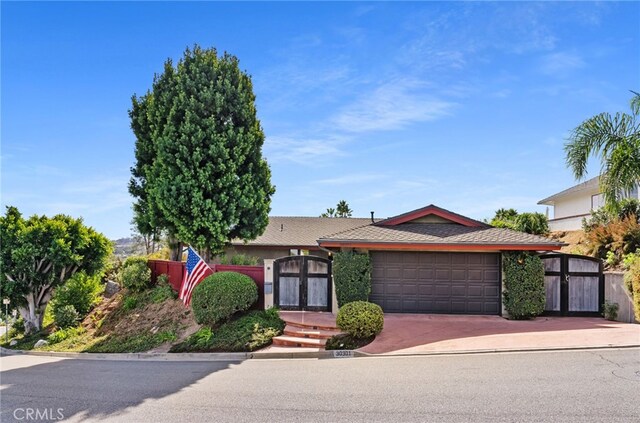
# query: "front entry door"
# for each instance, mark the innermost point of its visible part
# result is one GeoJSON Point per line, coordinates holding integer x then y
{"type": "Point", "coordinates": [574, 285]}
{"type": "Point", "coordinates": [302, 283]}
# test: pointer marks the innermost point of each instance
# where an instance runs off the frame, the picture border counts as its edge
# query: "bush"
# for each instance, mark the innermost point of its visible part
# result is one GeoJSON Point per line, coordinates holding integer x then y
{"type": "Point", "coordinates": [250, 332]}
{"type": "Point", "coordinates": [62, 334]}
{"type": "Point", "coordinates": [66, 316]}
{"type": "Point", "coordinates": [352, 277]}
{"type": "Point", "coordinates": [112, 270]}
{"type": "Point", "coordinates": [620, 237]}
{"type": "Point", "coordinates": [360, 319]}
{"type": "Point", "coordinates": [129, 303]}
{"type": "Point", "coordinates": [136, 276]}
{"type": "Point", "coordinates": [524, 295]}
{"type": "Point", "coordinates": [163, 291]}
{"type": "Point", "coordinates": [17, 328]}
{"type": "Point", "coordinates": [610, 310]}
{"type": "Point", "coordinates": [81, 291]}
{"type": "Point", "coordinates": [221, 295]}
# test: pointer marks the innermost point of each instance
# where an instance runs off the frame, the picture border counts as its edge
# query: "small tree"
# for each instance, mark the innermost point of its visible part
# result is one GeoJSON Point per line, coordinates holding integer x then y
{"type": "Point", "coordinates": [42, 253]}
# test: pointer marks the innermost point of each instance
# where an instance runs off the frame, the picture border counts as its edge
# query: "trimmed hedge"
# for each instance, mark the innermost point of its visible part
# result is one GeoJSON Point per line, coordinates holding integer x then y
{"type": "Point", "coordinates": [524, 296]}
{"type": "Point", "coordinates": [360, 319]}
{"type": "Point", "coordinates": [351, 276]}
{"type": "Point", "coordinates": [221, 295]}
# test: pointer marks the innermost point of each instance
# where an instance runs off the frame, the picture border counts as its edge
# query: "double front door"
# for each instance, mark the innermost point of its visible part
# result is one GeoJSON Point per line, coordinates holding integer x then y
{"type": "Point", "coordinates": [302, 283]}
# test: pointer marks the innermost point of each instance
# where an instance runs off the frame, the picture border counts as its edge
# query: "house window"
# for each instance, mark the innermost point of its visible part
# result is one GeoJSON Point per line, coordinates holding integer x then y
{"type": "Point", "coordinates": [294, 252]}
{"type": "Point", "coordinates": [597, 201]}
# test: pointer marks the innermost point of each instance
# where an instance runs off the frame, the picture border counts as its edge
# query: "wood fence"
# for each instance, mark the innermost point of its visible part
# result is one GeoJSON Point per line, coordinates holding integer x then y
{"type": "Point", "coordinates": [175, 271]}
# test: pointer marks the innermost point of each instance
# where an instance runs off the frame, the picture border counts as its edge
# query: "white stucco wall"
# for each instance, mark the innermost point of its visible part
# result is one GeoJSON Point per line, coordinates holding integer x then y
{"type": "Point", "coordinates": [567, 224]}
{"type": "Point", "coordinates": [579, 204]}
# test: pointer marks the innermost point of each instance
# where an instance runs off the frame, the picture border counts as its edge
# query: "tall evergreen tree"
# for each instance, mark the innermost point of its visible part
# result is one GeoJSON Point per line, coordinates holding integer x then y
{"type": "Point", "coordinates": [207, 180]}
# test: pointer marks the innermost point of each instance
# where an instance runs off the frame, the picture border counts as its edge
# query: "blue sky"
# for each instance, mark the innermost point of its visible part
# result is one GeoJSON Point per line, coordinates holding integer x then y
{"type": "Point", "coordinates": [390, 106]}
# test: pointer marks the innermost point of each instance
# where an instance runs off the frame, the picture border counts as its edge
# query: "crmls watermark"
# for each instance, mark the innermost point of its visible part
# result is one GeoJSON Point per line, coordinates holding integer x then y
{"type": "Point", "coordinates": [38, 414]}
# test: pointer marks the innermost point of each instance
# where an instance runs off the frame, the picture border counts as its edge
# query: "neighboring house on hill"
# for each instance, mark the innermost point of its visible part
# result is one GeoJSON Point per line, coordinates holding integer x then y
{"type": "Point", "coordinates": [294, 235]}
{"type": "Point", "coordinates": [574, 204]}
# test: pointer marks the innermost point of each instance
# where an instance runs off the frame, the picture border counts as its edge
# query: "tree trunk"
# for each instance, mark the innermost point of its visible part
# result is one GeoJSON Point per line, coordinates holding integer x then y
{"type": "Point", "coordinates": [176, 248]}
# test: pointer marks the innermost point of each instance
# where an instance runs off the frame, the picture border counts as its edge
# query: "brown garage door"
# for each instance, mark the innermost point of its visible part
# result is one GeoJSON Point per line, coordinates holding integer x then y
{"type": "Point", "coordinates": [459, 283]}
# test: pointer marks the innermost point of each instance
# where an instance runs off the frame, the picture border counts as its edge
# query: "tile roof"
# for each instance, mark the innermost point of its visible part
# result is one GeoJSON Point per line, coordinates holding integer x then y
{"type": "Point", "coordinates": [298, 231]}
{"type": "Point", "coordinates": [437, 233]}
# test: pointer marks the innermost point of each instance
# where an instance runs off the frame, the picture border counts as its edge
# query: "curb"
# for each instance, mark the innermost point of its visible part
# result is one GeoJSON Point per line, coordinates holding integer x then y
{"type": "Point", "coordinates": [288, 355]}
{"type": "Point", "coordinates": [145, 356]}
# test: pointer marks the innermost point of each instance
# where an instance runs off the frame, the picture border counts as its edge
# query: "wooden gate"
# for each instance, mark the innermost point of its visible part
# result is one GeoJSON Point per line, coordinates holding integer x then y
{"type": "Point", "coordinates": [574, 285]}
{"type": "Point", "coordinates": [302, 283]}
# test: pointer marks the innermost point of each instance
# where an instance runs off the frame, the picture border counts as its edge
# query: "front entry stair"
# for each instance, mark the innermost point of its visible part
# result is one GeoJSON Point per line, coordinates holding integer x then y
{"type": "Point", "coordinates": [306, 329]}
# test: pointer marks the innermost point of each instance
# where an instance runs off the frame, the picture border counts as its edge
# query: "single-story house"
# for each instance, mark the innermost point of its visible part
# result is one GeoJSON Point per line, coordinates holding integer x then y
{"type": "Point", "coordinates": [429, 260]}
{"type": "Point", "coordinates": [293, 235]}
{"type": "Point", "coordinates": [574, 204]}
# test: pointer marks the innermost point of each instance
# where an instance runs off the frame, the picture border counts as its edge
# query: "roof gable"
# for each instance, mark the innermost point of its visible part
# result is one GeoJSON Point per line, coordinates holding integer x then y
{"type": "Point", "coordinates": [431, 214]}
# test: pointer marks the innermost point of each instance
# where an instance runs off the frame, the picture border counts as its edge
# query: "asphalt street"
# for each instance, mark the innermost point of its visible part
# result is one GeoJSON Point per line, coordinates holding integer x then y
{"type": "Point", "coordinates": [570, 386]}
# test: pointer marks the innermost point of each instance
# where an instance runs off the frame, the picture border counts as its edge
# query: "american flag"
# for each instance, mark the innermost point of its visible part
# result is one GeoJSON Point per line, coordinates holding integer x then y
{"type": "Point", "coordinates": [196, 271]}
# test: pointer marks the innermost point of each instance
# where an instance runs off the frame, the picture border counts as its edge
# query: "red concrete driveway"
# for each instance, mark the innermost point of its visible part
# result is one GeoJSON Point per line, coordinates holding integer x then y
{"type": "Point", "coordinates": [428, 333]}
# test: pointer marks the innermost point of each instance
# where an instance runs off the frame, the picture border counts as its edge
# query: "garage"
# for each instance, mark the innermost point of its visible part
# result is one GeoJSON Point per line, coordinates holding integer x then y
{"type": "Point", "coordinates": [436, 282]}
{"type": "Point", "coordinates": [432, 260]}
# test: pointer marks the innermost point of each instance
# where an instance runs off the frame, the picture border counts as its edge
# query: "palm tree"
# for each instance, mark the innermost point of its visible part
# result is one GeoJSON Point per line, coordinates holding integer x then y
{"type": "Point", "coordinates": [616, 141]}
{"type": "Point", "coordinates": [342, 209]}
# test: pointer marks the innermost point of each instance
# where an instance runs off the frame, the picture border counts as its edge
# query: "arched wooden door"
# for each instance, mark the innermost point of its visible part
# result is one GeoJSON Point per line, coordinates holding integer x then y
{"type": "Point", "coordinates": [574, 285]}
{"type": "Point", "coordinates": [302, 283]}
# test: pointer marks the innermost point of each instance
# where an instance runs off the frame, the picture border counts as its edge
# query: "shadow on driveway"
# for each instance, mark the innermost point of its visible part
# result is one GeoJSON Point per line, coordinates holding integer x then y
{"type": "Point", "coordinates": [93, 389]}
{"type": "Point", "coordinates": [421, 333]}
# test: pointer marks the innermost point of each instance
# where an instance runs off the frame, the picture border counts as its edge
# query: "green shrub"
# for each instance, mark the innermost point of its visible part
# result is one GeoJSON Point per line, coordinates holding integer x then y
{"type": "Point", "coordinates": [81, 291]}
{"type": "Point", "coordinates": [352, 277]}
{"type": "Point", "coordinates": [250, 332]}
{"type": "Point", "coordinates": [133, 260]}
{"type": "Point", "coordinates": [129, 302]}
{"type": "Point", "coordinates": [112, 269]}
{"type": "Point", "coordinates": [221, 295]}
{"type": "Point", "coordinates": [17, 328]}
{"type": "Point", "coordinates": [66, 316]}
{"type": "Point", "coordinates": [136, 276]}
{"type": "Point", "coordinates": [163, 293]}
{"type": "Point", "coordinates": [360, 319]}
{"type": "Point", "coordinates": [524, 296]}
{"type": "Point", "coordinates": [62, 334]}
{"type": "Point", "coordinates": [610, 310]}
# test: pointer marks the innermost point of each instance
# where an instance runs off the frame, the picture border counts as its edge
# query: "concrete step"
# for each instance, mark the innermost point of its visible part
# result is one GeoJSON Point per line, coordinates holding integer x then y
{"type": "Point", "coordinates": [312, 325]}
{"type": "Point", "coordinates": [304, 332]}
{"type": "Point", "coordinates": [294, 341]}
